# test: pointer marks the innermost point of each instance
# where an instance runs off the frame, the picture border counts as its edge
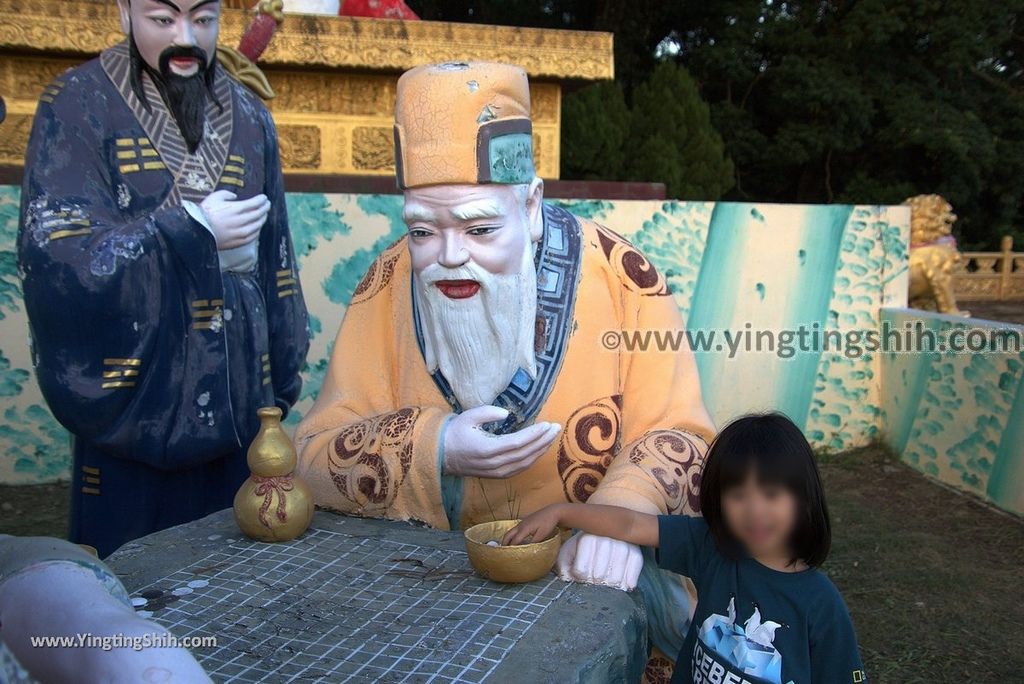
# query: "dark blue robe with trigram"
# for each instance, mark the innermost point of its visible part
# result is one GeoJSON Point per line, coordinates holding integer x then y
{"type": "Point", "coordinates": [153, 358]}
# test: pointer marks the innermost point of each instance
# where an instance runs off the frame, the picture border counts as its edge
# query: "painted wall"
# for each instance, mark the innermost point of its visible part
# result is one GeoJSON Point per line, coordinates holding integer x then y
{"type": "Point", "coordinates": [958, 416]}
{"type": "Point", "coordinates": [772, 267]}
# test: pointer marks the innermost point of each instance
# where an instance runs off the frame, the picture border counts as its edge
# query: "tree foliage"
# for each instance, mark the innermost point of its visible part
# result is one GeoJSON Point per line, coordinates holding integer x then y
{"type": "Point", "coordinates": [595, 130]}
{"type": "Point", "coordinates": [830, 100]}
{"type": "Point", "coordinates": [666, 137]}
{"type": "Point", "coordinates": [672, 140]}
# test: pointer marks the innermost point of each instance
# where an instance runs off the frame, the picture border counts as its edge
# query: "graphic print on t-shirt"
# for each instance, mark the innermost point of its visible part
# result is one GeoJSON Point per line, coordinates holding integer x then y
{"type": "Point", "coordinates": [726, 653]}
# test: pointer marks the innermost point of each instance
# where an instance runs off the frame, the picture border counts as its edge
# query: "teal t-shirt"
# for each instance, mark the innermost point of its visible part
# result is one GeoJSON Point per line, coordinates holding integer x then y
{"type": "Point", "coordinates": [755, 625]}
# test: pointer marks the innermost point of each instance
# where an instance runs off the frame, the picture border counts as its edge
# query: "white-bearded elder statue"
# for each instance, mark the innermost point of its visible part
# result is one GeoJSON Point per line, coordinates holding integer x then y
{"type": "Point", "coordinates": [478, 305]}
{"type": "Point", "coordinates": [472, 379]}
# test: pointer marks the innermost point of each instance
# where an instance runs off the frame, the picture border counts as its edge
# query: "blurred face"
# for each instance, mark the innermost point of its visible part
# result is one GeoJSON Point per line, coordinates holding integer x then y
{"type": "Point", "coordinates": [183, 32]}
{"type": "Point", "coordinates": [761, 516]}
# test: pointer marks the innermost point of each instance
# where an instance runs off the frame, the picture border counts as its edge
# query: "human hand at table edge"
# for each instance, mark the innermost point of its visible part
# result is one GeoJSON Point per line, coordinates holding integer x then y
{"type": "Point", "coordinates": [614, 522]}
{"type": "Point", "coordinates": [471, 451]}
{"type": "Point", "coordinates": [605, 552]}
{"type": "Point", "coordinates": [535, 527]}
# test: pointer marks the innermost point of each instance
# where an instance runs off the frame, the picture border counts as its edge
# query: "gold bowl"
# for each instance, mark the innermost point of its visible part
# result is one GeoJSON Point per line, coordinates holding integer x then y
{"type": "Point", "coordinates": [509, 564]}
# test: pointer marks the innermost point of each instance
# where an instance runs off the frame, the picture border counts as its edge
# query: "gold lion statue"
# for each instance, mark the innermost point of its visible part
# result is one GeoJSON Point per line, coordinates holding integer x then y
{"type": "Point", "coordinates": [933, 255]}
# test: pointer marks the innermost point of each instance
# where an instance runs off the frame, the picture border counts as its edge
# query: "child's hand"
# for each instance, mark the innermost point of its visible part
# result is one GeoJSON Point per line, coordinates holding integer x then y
{"type": "Point", "coordinates": [535, 527]}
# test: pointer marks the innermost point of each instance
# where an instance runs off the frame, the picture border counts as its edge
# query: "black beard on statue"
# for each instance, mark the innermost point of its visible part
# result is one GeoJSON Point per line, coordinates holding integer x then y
{"type": "Point", "coordinates": [185, 96]}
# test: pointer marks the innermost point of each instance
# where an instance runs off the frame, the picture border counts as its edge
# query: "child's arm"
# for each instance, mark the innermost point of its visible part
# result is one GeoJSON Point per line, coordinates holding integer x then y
{"type": "Point", "coordinates": [603, 521]}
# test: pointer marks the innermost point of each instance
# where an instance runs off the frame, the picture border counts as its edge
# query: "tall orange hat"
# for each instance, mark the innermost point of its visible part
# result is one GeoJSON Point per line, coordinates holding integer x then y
{"type": "Point", "coordinates": [463, 123]}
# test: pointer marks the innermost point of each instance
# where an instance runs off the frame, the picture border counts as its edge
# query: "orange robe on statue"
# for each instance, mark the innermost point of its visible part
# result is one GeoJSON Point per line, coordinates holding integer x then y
{"type": "Point", "coordinates": [635, 429]}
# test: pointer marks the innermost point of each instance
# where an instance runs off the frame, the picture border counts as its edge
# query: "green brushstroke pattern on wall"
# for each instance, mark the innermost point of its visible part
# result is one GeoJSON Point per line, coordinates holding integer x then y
{"type": "Point", "coordinates": [1006, 481]}
{"type": "Point", "coordinates": [956, 416]}
{"type": "Point", "coordinates": [767, 273]}
{"type": "Point", "coordinates": [10, 285]}
{"type": "Point", "coordinates": [846, 400]}
{"type": "Point", "coordinates": [337, 236]}
{"type": "Point", "coordinates": [34, 446]}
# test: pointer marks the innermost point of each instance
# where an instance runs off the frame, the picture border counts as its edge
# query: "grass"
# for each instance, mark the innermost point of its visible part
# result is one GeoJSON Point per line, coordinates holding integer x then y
{"type": "Point", "coordinates": [933, 578]}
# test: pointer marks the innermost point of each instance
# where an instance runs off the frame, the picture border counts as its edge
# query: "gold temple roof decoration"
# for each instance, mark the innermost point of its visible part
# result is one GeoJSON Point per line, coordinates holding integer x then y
{"type": "Point", "coordinates": [334, 77]}
{"type": "Point", "coordinates": [81, 27]}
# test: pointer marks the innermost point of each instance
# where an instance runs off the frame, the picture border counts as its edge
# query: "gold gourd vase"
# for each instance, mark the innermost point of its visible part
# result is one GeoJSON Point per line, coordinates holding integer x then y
{"type": "Point", "coordinates": [273, 504]}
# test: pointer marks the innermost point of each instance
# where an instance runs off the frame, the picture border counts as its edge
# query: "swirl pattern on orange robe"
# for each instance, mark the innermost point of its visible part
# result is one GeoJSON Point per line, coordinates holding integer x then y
{"type": "Point", "coordinates": [674, 460]}
{"type": "Point", "coordinates": [589, 443]}
{"type": "Point", "coordinates": [365, 455]}
{"type": "Point", "coordinates": [636, 270]}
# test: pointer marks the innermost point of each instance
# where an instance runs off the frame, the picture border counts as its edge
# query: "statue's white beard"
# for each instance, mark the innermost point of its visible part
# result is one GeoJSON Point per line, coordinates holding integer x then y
{"type": "Point", "coordinates": [479, 343]}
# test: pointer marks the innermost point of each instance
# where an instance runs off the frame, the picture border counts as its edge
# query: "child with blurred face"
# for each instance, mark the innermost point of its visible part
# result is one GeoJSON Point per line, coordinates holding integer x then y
{"type": "Point", "coordinates": [765, 613]}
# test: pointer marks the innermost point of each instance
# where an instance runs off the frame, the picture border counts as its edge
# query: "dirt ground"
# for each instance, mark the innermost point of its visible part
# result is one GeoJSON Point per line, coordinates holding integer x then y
{"type": "Point", "coordinates": [1007, 312]}
{"type": "Point", "coordinates": [933, 578]}
{"type": "Point", "coordinates": [37, 510]}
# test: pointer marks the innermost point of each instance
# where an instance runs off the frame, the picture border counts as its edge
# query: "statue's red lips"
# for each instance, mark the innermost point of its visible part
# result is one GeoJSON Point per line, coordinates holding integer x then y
{"type": "Point", "coordinates": [458, 289]}
{"type": "Point", "coordinates": [184, 62]}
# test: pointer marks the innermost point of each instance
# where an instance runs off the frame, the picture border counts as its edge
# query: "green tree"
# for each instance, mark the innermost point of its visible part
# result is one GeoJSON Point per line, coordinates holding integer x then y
{"type": "Point", "coordinates": [672, 139]}
{"type": "Point", "coordinates": [595, 130]}
{"type": "Point", "coordinates": [867, 101]}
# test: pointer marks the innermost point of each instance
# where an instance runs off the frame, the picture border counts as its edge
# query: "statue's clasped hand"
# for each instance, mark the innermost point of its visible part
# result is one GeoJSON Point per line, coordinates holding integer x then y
{"type": "Point", "coordinates": [471, 451]}
{"type": "Point", "coordinates": [233, 222]}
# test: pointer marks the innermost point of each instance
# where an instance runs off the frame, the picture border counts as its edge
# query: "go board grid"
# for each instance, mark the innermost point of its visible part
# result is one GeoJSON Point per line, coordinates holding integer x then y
{"type": "Point", "coordinates": [397, 612]}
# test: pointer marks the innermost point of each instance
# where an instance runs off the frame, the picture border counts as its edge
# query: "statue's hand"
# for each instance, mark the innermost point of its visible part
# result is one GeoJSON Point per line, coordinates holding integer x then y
{"type": "Point", "coordinates": [471, 451]}
{"type": "Point", "coordinates": [234, 223]}
{"type": "Point", "coordinates": [600, 560]}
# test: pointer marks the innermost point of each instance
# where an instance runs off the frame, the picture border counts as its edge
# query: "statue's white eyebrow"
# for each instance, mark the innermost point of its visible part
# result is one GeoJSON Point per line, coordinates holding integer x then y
{"type": "Point", "coordinates": [477, 210]}
{"type": "Point", "coordinates": [416, 213]}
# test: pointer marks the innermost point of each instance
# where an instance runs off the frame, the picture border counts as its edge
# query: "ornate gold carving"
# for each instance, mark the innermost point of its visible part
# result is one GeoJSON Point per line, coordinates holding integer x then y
{"type": "Point", "coordinates": [60, 25]}
{"type": "Point", "coordinates": [334, 93]}
{"type": "Point", "coordinates": [300, 146]}
{"type": "Point", "coordinates": [538, 152]}
{"type": "Point", "coordinates": [545, 103]}
{"type": "Point", "coordinates": [26, 77]}
{"type": "Point", "coordinates": [991, 275]}
{"type": "Point", "coordinates": [330, 120]}
{"type": "Point", "coordinates": [14, 134]}
{"type": "Point", "coordinates": [308, 41]}
{"type": "Point", "coordinates": [373, 149]}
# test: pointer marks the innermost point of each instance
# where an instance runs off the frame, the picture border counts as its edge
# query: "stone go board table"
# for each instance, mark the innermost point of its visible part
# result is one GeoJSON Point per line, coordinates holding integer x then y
{"type": "Point", "coordinates": [357, 600]}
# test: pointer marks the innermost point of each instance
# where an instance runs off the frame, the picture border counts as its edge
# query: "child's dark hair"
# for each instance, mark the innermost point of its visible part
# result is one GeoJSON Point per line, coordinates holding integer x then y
{"type": "Point", "coordinates": [772, 449]}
